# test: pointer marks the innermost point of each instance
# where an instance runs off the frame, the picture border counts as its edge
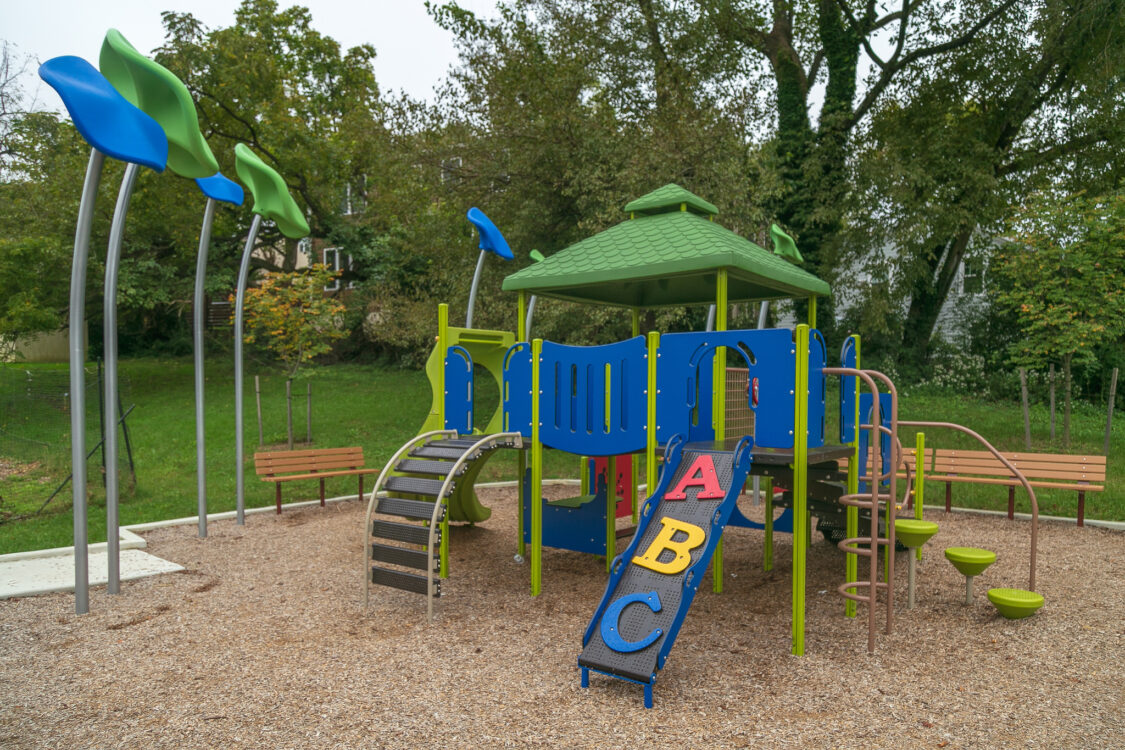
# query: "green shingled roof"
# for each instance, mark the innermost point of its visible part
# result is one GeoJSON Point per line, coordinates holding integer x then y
{"type": "Point", "coordinates": [668, 254]}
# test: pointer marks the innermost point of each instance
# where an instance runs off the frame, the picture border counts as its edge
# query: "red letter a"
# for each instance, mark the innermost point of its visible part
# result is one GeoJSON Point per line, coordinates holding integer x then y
{"type": "Point", "coordinates": [702, 475]}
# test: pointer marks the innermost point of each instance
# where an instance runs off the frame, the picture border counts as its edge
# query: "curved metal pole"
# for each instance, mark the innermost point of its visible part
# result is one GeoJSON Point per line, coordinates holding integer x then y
{"type": "Point", "coordinates": [197, 348]}
{"type": "Point", "coordinates": [77, 346]}
{"type": "Point", "coordinates": [473, 290]}
{"type": "Point", "coordinates": [1015, 472]}
{"type": "Point", "coordinates": [109, 337]}
{"type": "Point", "coordinates": [527, 320]}
{"type": "Point", "coordinates": [240, 296]}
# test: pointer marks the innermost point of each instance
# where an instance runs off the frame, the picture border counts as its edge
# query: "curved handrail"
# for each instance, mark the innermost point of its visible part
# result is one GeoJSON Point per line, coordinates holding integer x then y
{"type": "Point", "coordinates": [1015, 472]}
{"type": "Point", "coordinates": [379, 482]}
{"type": "Point", "coordinates": [468, 454]}
{"type": "Point", "coordinates": [162, 96]}
{"type": "Point", "coordinates": [271, 195]}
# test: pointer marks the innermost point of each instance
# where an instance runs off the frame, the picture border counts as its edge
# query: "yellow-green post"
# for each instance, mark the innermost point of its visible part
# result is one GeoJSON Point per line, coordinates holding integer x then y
{"type": "Point", "coordinates": [443, 346]}
{"type": "Point", "coordinates": [767, 541]}
{"type": "Point", "coordinates": [610, 511]}
{"type": "Point", "coordinates": [650, 427]}
{"type": "Point", "coordinates": [635, 459]}
{"type": "Point", "coordinates": [919, 479]}
{"type": "Point", "coordinates": [800, 485]}
{"type": "Point", "coordinates": [521, 458]}
{"type": "Point", "coordinates": [812, 312]}
{"type": "Point", "coordinates": [851, 525]}
{"type": "Point", "coordinates": [536, 473]}
{"type": "Point", "coordinates": [719, 406]}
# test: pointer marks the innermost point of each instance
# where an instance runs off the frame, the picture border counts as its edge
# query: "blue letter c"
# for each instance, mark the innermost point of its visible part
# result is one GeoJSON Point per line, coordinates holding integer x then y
{"type": "Point", "coordinates": [609, 627]}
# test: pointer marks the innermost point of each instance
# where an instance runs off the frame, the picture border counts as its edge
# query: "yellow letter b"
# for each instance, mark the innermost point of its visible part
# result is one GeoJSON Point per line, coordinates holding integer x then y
{"type": "Point", "coordinates": [664, 541]}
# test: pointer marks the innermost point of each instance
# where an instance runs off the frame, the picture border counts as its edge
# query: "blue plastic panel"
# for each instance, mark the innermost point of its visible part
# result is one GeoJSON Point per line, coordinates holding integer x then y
{"type": "Point", "coordinates": [683, 380]}
{"type": "Point", "coordinates": [458, 390]}
{"type": "Point", "coordinates": [573, 382]}
{"type": "Point", "coordinates": [847, 392]}
{"type": "Point", "coordinates": [865, 414]}
{"type": "Point", "coordinates": [490, 237]}
{"type": "Point", "coordinates": [517, 389]}
{"type": "Point", "coordinates": [818, 360]}
{"type": "Point", "coordinates": [219, 188]}
{"type": "Point", "coordinates": [105, 119]}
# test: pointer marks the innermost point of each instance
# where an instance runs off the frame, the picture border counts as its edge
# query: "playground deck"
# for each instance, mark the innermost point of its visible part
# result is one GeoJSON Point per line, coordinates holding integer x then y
{"type": "Point", "coordinates": [263, 640]}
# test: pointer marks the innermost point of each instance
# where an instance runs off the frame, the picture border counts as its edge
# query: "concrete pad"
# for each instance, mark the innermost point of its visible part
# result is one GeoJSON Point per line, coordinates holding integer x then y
{"type": "Point", "coordinates": [41, 575]}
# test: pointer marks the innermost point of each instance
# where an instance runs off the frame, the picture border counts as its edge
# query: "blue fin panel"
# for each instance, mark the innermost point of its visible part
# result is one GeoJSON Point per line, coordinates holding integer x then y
{"type": "Point", "coordinates": [219, 188]}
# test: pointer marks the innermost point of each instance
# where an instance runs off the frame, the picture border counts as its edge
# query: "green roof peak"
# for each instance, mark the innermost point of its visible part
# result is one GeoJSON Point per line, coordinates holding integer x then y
{"type": "Point", "coordinates": [670, 198]}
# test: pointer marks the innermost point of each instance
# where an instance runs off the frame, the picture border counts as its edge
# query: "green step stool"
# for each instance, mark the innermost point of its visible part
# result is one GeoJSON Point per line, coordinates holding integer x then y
{"type": "Point", "coordinates": [913, 533]}
{"type": "Point", "coordinates": [970, 562]}
{"type": "Point", "coordinates": [1015, 604]}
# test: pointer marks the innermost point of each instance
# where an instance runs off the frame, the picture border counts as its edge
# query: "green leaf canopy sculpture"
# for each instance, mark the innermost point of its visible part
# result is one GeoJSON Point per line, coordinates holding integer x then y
{"type": "Point", "coordinates": [271, 195]}
{"type": "Point", "coordinates": [161, 95]}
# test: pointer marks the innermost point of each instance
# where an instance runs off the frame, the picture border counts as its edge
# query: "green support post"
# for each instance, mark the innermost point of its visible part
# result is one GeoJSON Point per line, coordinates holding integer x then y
{"type": "Point", "coordinates": [650, 425]}
{"type": "Point", "coordinates": [719, 406]}
{"type": "Point", "coordinates": [521, 459]}
{"type": "Point", "coordinates": [536, 473]}
{"type": "Point", "coordinates": [800, 485]}
{"type": "Point", "coordinates": [919, 480]}
{"type": "Point", "coordinates": [610, 512]}
{"type": "Point", "coordinates": [443, 347]}
{"type": "Point", "coordinates": [851, 525]}
{"type": "Point", "coordinates": [767, 541]}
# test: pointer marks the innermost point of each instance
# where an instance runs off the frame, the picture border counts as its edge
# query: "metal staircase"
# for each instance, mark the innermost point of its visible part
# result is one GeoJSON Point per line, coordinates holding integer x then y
{"type": "Point", "coordinates": [414, 490]}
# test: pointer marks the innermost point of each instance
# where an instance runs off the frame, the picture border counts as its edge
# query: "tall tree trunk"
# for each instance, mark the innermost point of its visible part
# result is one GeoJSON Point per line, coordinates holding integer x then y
{"type": "Point", "coordinates": [927, 297]}
{"type": "Point", "coordinates": [1066, 401]}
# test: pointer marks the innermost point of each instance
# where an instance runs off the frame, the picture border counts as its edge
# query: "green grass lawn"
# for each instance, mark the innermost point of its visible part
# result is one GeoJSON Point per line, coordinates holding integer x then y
{"type": "Point", "coordinates": [379, 409]}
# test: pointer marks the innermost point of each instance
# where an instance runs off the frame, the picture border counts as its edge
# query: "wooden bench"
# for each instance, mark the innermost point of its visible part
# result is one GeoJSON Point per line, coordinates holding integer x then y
{"type": "Point", "coordinates": [321, 463]}
{"type": "Point", "coordinates": [1054, 471]}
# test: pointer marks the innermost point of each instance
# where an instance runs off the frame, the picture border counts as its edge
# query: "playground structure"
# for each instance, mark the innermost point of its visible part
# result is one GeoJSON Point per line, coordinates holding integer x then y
{"type": "Point", "coordinates": [664, 396]}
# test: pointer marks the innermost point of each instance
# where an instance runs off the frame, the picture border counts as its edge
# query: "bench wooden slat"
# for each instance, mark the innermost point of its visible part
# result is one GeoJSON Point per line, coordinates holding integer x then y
{"type": "Point", "coordinates": [316, 463]}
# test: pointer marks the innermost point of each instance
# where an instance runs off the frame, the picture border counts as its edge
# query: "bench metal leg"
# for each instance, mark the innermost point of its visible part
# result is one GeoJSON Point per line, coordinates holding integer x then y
{"type": "Point", "coordinates": [1011, 502]}
{"type": "Point", "coordinates": [277, 495]}
{"type": "Point", "coordinates": [360, 487]}
{"type": "Point", "coordinates": [1081, 508]}
{"type": "Point", "coordinates": [322, 493]}
{"type": "Point", "coordinates": [949, 497]}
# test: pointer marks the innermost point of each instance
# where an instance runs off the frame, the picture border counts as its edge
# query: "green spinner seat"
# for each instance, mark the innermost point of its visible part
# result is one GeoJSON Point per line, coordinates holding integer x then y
{"type": "Point", "coordinates": [913, 533]}
{"type": "Point", "coordinates": [1015, 604]}
{"type": "Point", "coordinates": [970, 562]}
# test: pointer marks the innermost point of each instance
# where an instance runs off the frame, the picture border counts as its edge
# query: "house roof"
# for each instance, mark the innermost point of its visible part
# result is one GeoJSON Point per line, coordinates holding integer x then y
{"type": "Point", "coordinates": [667, 253]}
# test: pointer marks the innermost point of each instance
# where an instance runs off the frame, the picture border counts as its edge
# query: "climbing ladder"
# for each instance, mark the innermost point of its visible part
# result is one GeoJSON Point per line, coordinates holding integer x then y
{"type": "Point", "coordinates": [414, 489]}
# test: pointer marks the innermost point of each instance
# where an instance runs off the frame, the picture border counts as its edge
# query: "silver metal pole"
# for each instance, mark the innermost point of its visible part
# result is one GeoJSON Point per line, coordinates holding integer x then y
{"type": "Point", "coordinates": [711, 318]}
{"type": "Point", "coordinates": [473, 290]}
{"type": "Point", "coordinates": [240, 296]}
{"type": "Point", "coordinates": [109, 332]}
{"type": "Point", "coordinates": [762, 311]}
{"type": "Point", "coordinates": [199, 322]}
{"type": "Point", "coordinates": [77, 347]}
{"type": "Point", "coordinates": [530, 315]}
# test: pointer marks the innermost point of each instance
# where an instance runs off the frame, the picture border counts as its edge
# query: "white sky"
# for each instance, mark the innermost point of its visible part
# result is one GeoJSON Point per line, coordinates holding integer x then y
{"type": "Point", "coordinates": [413, 53]}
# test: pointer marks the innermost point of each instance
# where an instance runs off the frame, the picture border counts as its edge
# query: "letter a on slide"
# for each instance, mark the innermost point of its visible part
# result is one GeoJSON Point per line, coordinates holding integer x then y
{"type": "Point", "coordinates": [669, 526]}
{"type": "Point", "coordinates": [700, 474]}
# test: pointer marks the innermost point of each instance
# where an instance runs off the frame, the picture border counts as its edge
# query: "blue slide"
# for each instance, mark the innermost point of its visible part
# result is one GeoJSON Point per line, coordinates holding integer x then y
{"type": "Point", "coordinates": [652, 584]}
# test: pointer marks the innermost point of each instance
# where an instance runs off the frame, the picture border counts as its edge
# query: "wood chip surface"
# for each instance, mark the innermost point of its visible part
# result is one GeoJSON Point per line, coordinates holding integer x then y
{"type": "Point", "coordinates": [263, 642]}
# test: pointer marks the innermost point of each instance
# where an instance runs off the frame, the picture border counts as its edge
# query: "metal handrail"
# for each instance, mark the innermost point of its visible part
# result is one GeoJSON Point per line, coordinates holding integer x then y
{"type": "Point", "coordinates": [1015, 472]}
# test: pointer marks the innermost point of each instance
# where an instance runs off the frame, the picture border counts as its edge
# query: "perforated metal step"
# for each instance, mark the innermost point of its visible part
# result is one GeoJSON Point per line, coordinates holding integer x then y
{"type": "Point", "coordinates": [422, 510]}
{"type": "Point", "coordinates": [407, 558]}
{"type": "Point", "coordinates": [415, 486]}
{"type": "Point", "coordinates": [404, 532]}
{"type": "Point", "coordinates": [429, 451]}
{"type": "Point", "coordinates": [468, 442]}
{"type": "Point", "coordinates": [437, 468]}
{"type": "Point", "coordinates": [405, 581]}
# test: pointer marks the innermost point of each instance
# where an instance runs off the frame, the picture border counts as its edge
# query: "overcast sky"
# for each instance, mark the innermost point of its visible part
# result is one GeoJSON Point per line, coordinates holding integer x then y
{"type": "Point", "coordinates": [413, 53]}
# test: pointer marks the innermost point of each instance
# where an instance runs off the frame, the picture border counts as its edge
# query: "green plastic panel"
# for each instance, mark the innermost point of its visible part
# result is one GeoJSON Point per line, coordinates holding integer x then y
{"type": "Point", "coordinates": [154, 90]}
{"type": "Point", "coordinates": [271, 195]}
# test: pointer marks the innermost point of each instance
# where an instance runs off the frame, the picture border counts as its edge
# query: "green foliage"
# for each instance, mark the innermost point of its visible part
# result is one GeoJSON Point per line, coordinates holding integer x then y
{"type": "Point", "coordinates": [1062, 276]}
{"type": "Point", "coordinates": [33, 286]}
{"type": "Point", "coordinates": [291, 316]}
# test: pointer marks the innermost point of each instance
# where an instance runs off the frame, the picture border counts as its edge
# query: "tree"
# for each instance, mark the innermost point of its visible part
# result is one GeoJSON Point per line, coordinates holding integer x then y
{"type": "Point", "coordinates": [289, 314]}
{"type": "Point", "coordinates": [1061, 276]}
